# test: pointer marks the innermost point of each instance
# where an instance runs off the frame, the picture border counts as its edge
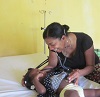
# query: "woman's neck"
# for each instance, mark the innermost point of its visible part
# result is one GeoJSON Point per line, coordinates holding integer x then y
{"type": "Point", "coordinates": [70, 45]}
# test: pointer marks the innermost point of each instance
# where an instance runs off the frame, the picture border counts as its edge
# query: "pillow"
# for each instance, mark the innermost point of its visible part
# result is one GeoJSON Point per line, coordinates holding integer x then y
{"type": "Point", "coordinates": [95, 75]}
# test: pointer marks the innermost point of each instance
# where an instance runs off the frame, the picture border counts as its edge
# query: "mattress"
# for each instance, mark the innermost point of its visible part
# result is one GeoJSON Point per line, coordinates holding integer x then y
{"type": "Point", "coordinates": [12, 69]}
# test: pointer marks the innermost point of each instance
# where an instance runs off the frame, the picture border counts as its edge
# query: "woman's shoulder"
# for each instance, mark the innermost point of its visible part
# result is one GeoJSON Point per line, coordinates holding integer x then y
{"type": "Point", "coordinates": [84, 40]}
{"type": "Point", "coordinates": [82, 36]}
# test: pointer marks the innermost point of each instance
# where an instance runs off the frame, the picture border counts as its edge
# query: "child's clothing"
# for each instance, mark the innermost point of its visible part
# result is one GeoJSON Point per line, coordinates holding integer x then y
{"type": "Point", "coordinates": [52, 82]}
{"type": "Point", "coordinates": [56, 80]}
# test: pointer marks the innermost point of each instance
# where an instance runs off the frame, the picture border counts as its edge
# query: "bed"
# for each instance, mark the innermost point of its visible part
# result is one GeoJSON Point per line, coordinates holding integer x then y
{"type": "Point", "coordinates": [12, 69]}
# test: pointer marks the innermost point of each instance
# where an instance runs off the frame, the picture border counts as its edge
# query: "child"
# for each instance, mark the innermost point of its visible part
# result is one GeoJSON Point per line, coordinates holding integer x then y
{"type": "Point", "coordinates": [52, 83]}
{"type": "Point", "coordinates": [49, 84]}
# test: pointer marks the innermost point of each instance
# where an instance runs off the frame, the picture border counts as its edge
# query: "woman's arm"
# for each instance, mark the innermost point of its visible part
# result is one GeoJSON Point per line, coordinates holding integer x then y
{"type": "Point", "coordinates": [90, 62]}
{"type": "Point", "coordinates": [53, 60]}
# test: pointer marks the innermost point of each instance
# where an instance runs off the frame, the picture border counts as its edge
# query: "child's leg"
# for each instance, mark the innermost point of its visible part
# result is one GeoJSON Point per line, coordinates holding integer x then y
{"type": "Point", "coordinates": [72, 87]}
{"type": "Point", "coordinates": [71, 93]}
{"type": "Point", "coordinates": [92, 92]}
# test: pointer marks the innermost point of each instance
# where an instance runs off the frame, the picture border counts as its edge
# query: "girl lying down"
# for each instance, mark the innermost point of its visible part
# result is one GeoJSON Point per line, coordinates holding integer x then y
{"type": "Point", "coordinates": [55, 84]}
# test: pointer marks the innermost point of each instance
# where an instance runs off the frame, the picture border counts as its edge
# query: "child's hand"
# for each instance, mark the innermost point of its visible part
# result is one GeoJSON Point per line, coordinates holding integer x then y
{"type": "Point", "coordinates": [38, 76]}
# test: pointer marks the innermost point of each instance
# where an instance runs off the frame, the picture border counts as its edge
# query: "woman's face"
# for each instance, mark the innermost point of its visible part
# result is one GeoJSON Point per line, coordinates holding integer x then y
{"type": "Point", "coordinates": [55, 44]}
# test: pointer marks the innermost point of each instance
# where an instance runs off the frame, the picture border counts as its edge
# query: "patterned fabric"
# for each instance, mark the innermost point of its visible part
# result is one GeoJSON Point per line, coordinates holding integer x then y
{"type": "Point", "coordinates": [47, 83]}
{"type": "Point", "coordinates": [56, 80]}
{"type": "Point", "coordinates": [50, 92]}
{"type": "Point", "coordinates": [95, 75]}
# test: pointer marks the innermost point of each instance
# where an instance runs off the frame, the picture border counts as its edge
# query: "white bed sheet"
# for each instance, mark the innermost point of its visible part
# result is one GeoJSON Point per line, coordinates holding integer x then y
{"type": "Point", "coordinates": [12, 69]}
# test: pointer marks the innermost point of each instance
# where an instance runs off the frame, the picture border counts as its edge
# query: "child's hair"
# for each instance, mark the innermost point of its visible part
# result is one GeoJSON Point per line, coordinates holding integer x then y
{"type": "Point", "coordinates": [27, 79]}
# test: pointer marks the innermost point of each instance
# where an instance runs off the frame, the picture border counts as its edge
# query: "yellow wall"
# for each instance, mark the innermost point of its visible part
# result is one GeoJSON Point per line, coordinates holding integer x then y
{"type": "Point", "coordinates": [21, 22]}
{"type": "Point", "coordinates": [80, 15]}
{"type": "Point", "coordinates": [19, 27]}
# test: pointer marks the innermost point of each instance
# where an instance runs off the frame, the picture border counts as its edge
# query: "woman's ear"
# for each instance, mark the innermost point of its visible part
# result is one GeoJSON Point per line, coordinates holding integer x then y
{"type": "Point", "coordinates": [63, 37]}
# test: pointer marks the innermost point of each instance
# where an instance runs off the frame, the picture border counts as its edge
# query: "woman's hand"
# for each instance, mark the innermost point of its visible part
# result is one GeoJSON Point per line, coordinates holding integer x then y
{"type": "Point", "coordinates": [74, 76]}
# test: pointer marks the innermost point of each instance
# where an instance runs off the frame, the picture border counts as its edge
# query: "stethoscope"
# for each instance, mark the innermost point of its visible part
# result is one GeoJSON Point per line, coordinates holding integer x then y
{"type": "Point", "coordinates": [62, 64]}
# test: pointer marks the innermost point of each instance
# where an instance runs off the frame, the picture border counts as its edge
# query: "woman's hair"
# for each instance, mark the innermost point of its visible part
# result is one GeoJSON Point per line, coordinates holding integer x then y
{"type": "Point", "coordinates": [55, 30]}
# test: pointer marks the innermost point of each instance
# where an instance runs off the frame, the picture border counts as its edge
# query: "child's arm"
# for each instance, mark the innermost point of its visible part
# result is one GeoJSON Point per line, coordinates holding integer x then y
{"type": "Point", "coordinates": [39, 87]}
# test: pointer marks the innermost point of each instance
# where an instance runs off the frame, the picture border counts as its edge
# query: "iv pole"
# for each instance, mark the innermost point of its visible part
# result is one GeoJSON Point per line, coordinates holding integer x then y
{"type": "Point", "coordinates": [43, 28]}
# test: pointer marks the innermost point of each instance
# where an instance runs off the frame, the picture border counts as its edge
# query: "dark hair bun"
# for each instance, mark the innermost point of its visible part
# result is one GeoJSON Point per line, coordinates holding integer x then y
{"type": "Point", "coordinates": [66, 27]}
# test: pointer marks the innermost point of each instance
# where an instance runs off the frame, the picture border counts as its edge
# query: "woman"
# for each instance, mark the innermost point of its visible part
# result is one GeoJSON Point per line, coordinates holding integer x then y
{"type": "Point", "coordinates": [74, 50]}
{"type": "Point", "coordinates": [69, 49]}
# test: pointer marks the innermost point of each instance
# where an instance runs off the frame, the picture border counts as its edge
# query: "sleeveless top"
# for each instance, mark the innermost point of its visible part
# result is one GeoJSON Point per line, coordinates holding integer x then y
{"type": "Point", "coordinates": [77, 61]}
{"type": "Point", "coordinates": [52, 82]}
{"type": "Point", "coordinates": [57, 79]}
